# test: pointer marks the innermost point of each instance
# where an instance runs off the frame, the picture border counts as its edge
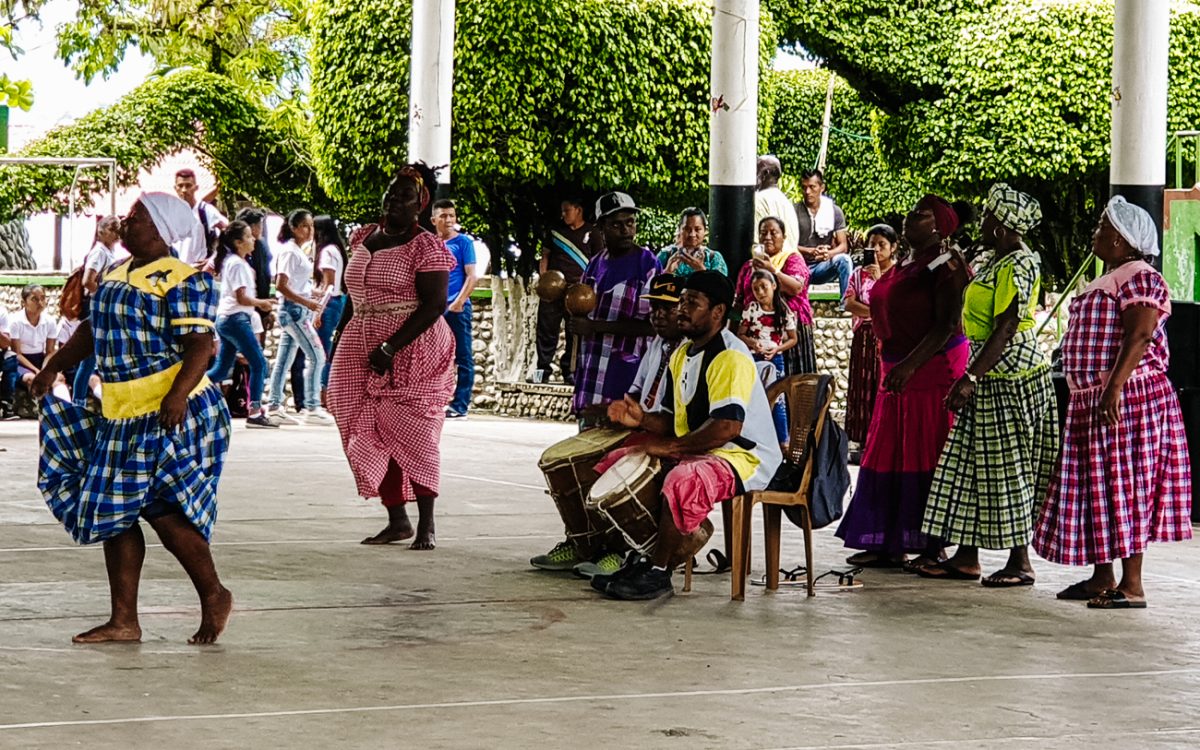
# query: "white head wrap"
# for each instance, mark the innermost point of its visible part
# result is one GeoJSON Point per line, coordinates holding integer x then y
{"type": "Point", "coordinates": [1134, 224]}
{"type": "Point", "coordinates": [177, 225]}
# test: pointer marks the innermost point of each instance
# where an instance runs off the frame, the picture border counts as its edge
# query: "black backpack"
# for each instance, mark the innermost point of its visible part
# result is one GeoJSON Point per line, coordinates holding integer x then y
{"type": "Point", "coordinates": [831, 472]}
{"type": "Point", "coordinates": [211, 235]}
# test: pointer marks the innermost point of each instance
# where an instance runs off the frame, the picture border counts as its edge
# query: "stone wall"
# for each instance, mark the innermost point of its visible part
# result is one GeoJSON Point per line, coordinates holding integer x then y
{"type": "Point", "coordinates": [503, 349]}
{"type": "Point", "coordinates": [14, 247]}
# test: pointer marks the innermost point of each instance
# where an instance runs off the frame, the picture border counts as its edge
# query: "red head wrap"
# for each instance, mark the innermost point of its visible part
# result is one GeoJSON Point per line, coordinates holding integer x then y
{"type": "Point", "coordinates": [944, 215]}
{"type": "Point", "coordinates": [414, 173]}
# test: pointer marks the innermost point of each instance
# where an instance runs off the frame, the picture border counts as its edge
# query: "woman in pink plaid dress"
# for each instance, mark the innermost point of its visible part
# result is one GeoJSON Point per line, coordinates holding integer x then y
{"type": "Point", "coordinates": [1124, 478]}
{"type": "Point", "coordinates": [393, 367]}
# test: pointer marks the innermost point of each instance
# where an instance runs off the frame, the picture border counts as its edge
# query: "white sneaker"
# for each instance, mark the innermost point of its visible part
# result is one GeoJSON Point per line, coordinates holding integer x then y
{"type": "Point", "coordinates": [279, 415]}
{"type": "Point", "coordinates": [318, 416]}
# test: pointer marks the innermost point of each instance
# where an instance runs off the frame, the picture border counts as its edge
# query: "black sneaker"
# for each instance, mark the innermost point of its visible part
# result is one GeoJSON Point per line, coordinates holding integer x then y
{"type": "Point", "coordinates": [648, 583]}
{"type": "Point", "coordinates": [634, 564]}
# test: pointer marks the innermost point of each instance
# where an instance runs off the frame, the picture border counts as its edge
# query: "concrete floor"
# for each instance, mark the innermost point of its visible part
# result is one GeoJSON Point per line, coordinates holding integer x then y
{"type": "Point", "coordinates": [337, 645]}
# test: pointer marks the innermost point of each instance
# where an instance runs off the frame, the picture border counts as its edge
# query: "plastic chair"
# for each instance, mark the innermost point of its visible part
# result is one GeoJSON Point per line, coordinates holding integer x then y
{"type": "Point", "coordinates": [802, 394]}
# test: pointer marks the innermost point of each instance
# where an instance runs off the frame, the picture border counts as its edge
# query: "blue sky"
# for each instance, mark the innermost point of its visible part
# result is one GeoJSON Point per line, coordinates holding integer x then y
{"type": "Point", "coordinates": [58, 97]}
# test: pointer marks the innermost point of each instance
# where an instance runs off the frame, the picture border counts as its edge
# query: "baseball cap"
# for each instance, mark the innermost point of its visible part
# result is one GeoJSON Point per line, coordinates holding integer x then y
{"type": "Point", "coordinates": [663, 288]}
{"type": "Point", "coordinates": [712, 284]}
{"type": "Point", "coordinates": [610, 203]}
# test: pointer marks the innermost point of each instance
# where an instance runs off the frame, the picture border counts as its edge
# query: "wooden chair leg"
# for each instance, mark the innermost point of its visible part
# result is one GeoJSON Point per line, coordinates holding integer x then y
{"type": "Point", "coordinates": [739, 560]}
{"type": "Point", "coordinates": [727, 528]}
{"type": "Point", "coordinates": [808, 551]}
{"type": "Point", "coordinates": [748, 537]}
{"type": "Point", "coordinates": [771, 523]}
{"type": "Point", "coordinates": [687, 575]}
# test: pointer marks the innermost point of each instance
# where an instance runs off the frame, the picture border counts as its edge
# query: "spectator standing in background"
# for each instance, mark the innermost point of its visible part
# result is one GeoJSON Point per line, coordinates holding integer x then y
{"type": "Point", "coordinates": [196, 249]}
{"type": "Point", "coordinates": [458, 309]}
{"type": "Point", "coordinates": [769, 200]}
{"type": "Point", "coordinates": [567, 249]}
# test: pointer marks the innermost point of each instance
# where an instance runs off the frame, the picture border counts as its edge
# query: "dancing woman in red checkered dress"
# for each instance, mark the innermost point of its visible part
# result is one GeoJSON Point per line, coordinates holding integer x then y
{"type": "Point", "coordinates": [1124, 478]}
{"type": "Point", "coordinates": [393, 369]}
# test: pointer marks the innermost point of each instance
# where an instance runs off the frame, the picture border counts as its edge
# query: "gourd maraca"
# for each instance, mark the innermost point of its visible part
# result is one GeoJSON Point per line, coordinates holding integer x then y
{"type": "Point", "coordinates": [580, 300]}
{"type": "Point", "coordinates": [551, 286]}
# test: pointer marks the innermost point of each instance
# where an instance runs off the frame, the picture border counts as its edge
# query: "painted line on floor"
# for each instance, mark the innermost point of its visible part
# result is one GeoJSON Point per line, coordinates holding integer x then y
{"type": "Point", "coordinates": [513, 537]}
{"type": "Point", "coordinates": [986, 741]}
{"type": "Point", "coordinates": [613, 697]}
{"type": "Point", "coordinates": [538, 487]}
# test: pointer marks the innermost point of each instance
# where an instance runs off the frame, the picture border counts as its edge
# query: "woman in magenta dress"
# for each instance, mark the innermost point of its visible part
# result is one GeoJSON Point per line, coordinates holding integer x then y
{"type": "Point", "coordinates": [1124, 479]}
{"type": "Point", "coordinates": [916, 311]}
{"type": "Point", "coordinates": [393, 369]}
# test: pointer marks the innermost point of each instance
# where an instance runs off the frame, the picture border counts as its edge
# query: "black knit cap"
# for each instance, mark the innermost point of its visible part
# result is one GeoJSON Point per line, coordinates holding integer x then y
{"type": "Point", "coordinates": [713, 284]}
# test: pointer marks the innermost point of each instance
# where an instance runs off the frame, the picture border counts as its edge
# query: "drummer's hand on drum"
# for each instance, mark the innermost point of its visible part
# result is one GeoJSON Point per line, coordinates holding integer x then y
{"type": "Point", "coordinates": [626, 412]}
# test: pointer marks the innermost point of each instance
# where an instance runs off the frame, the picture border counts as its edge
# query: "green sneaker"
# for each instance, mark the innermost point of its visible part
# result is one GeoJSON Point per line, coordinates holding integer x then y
{"type": "Point", "coordinates": [605, 566]}
{"type": "Point", "coordinates": [562, 557]}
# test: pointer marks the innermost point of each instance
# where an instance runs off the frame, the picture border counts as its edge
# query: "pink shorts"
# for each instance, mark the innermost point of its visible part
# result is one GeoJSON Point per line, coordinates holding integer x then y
{"type": "Point", "coordinates": [692, 487]}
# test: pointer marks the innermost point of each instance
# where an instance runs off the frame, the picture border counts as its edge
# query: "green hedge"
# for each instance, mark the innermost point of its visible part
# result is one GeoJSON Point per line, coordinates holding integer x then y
{"type": "Point", "coordinates": [251, 158]}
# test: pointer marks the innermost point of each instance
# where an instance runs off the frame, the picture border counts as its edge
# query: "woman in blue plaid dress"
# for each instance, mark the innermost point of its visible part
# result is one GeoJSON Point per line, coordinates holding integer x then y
{"type": "Point", "coordinates": [156, 450]}
{"type": "Point", "coordinates": [1004, 445]}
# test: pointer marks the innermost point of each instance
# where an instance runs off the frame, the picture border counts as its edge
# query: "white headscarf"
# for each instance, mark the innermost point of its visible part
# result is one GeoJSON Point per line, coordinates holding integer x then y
{"type": "Point", "coordinates": [1134, 224]}
{"type": "Point", "coordinates": [177, 224]}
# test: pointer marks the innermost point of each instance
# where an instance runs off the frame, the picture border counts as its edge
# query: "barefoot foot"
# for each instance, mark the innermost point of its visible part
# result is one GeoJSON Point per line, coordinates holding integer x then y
{"type": "Point", "coordinates": [425, 536]}
{"type": "Point", "coordinates": [110, 632]}
{"type": "Point", "coordinates": [214, 614]}
{"type": "Point", "coordinates": [391, 533]}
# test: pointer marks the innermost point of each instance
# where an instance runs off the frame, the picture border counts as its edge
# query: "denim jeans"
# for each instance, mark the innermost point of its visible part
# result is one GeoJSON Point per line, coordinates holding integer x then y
{"type": "Point", "coordinates": [778, 409]}
{"type": "Point", "coordinates": [8, 379]}
{"type": "Point", "coordinates": [79, 385]}
{"type": "Point", "coordinates": [838, 268]}
{"type": "Point", "coordinates": [237, 335]}
{"type": "Point", "coordinates": [329, 323]}
{"type": "Point", "coordinates": [464, 358]}
{"type": "Point", "coordinates": [298, 334]}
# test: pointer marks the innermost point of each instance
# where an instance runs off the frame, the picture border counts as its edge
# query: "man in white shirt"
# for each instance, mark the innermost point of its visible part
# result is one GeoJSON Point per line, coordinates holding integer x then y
{"type": "Point", "coordinates": [769, 200]}
{"type": "Point", "coordinates": [211, 221]}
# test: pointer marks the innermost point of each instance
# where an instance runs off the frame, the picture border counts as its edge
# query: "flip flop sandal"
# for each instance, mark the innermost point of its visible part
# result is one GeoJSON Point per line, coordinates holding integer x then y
{"type": "Point", "coordinates": [846, 580]}
{"type": "Point", "coordinates": [1076, 592]}
{"type": "Point", "coordinates": [1113, 599]}
{"type": "Point", "coordinates": [911, 566]}
{"type": "Point", "coordinates": [797, 576]}
{"type": "Point", "coordinates": [716, 558]}
{"type": "Point", "coordinates": [878, 562]}
{"type": "Point", "coordinates": [1007, 580]}
{"type": "Point", "coordinates": [948, 573]}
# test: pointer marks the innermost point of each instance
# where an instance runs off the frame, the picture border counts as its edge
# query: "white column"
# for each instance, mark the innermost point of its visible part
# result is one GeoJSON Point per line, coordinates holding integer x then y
{"type": "Point", "coordinates": [432, 84]}
{"type": "Point", "coordinates": [733, 128]}
{"type": "Point", "coordinates": [1141, 40]}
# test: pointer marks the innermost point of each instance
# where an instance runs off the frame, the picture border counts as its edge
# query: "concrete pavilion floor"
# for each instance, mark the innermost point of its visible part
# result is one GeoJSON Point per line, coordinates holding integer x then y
{"type": "Point", "coordinates": [334, 645]}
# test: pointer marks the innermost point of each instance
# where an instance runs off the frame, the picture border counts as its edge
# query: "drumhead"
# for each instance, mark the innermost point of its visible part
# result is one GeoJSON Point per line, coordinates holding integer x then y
{"type": "Point", "coordinates": [625, 473]}
{"type": "Point", "coordinates": [591, 444]}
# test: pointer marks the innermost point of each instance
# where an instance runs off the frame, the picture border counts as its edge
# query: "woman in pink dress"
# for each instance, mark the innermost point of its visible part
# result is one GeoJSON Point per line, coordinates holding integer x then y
{"type": "Point", "coordinates": [1124, 479]}
{"type": "Point", "coordinates": [393, 367]}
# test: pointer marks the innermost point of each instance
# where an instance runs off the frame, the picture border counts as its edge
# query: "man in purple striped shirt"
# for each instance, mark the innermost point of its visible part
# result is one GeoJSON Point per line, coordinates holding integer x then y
{"type": "Point", "coordinates": [614, 336]}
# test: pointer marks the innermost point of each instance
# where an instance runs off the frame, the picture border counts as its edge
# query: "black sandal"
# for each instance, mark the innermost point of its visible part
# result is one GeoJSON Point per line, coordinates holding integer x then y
{"type": "Point", "coordinates": [716, 558]}
{"type": "Point", "coordinates": [1113, 599]}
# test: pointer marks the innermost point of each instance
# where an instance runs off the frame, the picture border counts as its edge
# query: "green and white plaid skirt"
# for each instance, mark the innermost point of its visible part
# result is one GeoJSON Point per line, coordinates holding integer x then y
{"type": "Point", "coordinates": [1002, 450]}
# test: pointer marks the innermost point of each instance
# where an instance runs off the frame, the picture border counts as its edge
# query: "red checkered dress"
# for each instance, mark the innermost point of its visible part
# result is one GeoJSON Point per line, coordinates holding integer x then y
{"type": "Point", "coordinates": [398, 417]}
{"type": "Point", "coordinates": [1117, 488]}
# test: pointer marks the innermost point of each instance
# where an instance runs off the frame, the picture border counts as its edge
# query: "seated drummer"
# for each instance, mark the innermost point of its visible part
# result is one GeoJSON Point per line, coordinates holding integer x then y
{"type": "Point", "coordinates": [647, 389]}
{"type": "Point", "coordinates": [713, 429]}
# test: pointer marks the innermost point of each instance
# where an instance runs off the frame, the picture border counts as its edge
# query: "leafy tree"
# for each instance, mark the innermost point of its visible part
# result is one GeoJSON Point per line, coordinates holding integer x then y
{"type": "Point", "coordinates": [252, 158]}
{"type": "Point", "coordinates": [260, 45]}
{"type": "Point", "coordinates": [556, 97]}
{"type": "Point", "coordinates": [976, 91]}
